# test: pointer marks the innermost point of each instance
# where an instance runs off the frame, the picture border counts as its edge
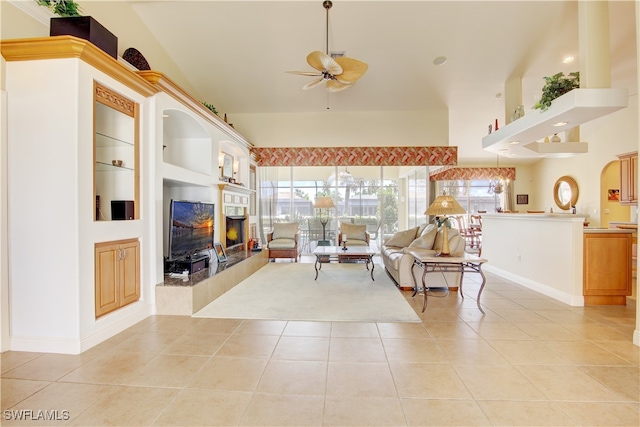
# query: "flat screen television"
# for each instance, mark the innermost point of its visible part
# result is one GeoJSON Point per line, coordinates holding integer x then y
{"type": "Point", "coordinates": [190, 228]}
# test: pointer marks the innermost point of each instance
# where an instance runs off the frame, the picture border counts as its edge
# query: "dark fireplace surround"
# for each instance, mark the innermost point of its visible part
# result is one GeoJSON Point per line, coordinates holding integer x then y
{"type": "Point", "coordinates": [235, 237]}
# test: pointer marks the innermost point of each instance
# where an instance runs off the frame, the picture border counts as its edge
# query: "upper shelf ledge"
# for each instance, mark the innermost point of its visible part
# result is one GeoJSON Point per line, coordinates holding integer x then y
{"type": "Point", "coordinates": [574, 107]}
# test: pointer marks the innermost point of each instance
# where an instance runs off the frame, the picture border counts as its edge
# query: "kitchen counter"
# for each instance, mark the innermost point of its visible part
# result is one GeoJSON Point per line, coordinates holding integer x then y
{"type": "Point", "coordinates": [595, 230]}
{"type": "Point", "coordinates": [547, 253]}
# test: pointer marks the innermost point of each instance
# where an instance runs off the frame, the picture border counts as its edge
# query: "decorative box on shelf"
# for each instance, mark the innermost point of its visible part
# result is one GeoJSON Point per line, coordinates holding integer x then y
{"type": "Point", "coordinates": [87, 28]}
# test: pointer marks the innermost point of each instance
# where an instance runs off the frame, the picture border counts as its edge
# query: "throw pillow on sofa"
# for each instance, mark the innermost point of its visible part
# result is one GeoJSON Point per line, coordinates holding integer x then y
{"type": "Point", "coordinates": [402, 239]}
{"type": "Point", "coordinates": [427, 239]}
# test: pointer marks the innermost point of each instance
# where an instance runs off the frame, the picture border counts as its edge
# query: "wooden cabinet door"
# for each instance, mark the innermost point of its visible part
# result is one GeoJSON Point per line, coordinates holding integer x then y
{"type": "Point", "coordinates": [624, 179]}
{"type": "Point", "coordinates": [628, 178]}
{"type": "Point", "coordinates": [633, 177]}
{"type": "Point", "coordinates": [107, 282]}
{"type": "Point", "coordinates": [117, 281]}
{"type": "Point", "coordinates": [130, 273]}
{"type": "Point", "coordinates": [606, 268]}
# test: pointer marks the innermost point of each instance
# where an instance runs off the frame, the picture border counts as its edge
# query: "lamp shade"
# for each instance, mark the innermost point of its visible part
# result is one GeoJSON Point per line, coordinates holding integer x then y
{"type": "Point", "coordinates": [324, 202]}
{"type": "Point", "coordinates": [445, 205]}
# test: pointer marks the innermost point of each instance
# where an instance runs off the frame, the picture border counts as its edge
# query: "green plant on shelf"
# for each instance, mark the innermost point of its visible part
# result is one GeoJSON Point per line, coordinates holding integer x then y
{"type": "Point", "coordinates": [555, 86]}
{"type": "Point", "coordinates": [61, 7]}
{"type": "Point", "coordinates": [210, 107]}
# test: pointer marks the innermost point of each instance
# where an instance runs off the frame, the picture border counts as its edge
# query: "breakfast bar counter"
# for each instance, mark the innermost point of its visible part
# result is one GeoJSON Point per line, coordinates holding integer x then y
{"type": "Point", "coordinates": [547, 252]}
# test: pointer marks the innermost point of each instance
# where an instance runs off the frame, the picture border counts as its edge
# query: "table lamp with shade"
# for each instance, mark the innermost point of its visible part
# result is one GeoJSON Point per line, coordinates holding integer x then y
{"type": "Point", "coordinates": [443, 206]}
{"type": "Point", "coordinates": [324, 203]}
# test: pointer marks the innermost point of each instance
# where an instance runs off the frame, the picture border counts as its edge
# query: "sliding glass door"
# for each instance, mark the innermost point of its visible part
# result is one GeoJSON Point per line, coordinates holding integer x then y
{"type": "Point", "coordinates": [360, 194]}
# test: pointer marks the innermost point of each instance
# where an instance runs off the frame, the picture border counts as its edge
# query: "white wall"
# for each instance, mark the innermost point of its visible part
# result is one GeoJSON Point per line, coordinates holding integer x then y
{"type": "Point", "coordinates": [610, 135]}
{"type": "Point", "coordinates": [340, 129]}
{"type": "Point", "coordinates": [4, 250]}
{"type": "Point", "coordinates": [542, 252]}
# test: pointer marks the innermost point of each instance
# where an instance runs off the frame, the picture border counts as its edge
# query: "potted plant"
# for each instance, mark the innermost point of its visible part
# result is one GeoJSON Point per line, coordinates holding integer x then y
{"type": "Point", "coordinates": [71, 23]}
{"type": "Point", "coordinates": [61, 7]}
{"type": "Point", "coordinates": [555, 86]}
{"type": "Point", "coordinates": [210, 107]}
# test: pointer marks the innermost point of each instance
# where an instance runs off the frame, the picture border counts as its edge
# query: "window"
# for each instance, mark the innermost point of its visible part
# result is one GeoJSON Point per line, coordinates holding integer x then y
{"type": "Point", "coordinates": [360, 193]}
{"type": "Point", "coordinates": [473, 195]}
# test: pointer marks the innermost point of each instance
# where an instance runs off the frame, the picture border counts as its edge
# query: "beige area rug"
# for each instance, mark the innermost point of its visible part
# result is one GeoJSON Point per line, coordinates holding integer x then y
{"type": "Point", "coordinates": [287, 291]}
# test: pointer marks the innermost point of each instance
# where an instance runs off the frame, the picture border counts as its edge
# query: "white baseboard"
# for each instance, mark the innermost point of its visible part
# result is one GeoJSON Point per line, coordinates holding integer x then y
{"type": "Point", "coordinates": [572, 300]}
{"type": "Point", "coordinates": [115, 327]}
{"type": "Point", "coordinates": [46, 345]}
{"type": "Point", "coordinates": [111, 327]}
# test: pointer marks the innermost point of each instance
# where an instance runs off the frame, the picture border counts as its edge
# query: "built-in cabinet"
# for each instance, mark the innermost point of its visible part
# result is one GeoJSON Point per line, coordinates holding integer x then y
{"type": "Point", "coordinates": [73, 110]}
{"type": "Point", "coordinates": [628, 178]}
{"type": "Point", "coordinates": [86, 130]}
{"type": "Point", "coordinates": [117, 266]}
{"type": "Point", "coordinates": [192, 147]}
{"type": "Point", "coordinates": [116, 153]}
{"type": "Point", "coordinates": [607, 267]}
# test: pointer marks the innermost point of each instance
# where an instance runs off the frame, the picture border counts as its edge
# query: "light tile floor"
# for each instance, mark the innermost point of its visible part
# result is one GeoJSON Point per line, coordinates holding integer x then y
{"type": "Point", "coordinates": [529, 361]}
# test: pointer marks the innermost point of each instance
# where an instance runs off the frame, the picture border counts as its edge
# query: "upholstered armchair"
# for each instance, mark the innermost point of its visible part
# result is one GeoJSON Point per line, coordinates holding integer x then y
{"type": "Point", "coordinates": [282, 242]}
{"type": "Point", "coordinates": [357, 234]}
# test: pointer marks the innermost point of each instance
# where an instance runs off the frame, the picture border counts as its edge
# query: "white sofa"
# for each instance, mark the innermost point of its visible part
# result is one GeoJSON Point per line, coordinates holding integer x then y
{"type": "Point", "coordinates": [427, 238]}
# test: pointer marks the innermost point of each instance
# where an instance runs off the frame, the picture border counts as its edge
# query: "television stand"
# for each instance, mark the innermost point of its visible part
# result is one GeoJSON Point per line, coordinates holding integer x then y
{"type": "Point", "coordinates": [191, 263]}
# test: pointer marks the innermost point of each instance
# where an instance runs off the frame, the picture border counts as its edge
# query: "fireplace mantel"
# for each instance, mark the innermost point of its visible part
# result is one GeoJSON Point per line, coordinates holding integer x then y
{"type": "Point", "coordinates": [235, 188]}
{"type": "Point", "coordinates": [234, 201]}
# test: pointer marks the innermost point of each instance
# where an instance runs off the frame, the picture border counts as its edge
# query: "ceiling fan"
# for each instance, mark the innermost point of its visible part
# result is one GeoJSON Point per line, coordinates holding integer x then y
{"type": "Point", "coordinates": [339, 73]}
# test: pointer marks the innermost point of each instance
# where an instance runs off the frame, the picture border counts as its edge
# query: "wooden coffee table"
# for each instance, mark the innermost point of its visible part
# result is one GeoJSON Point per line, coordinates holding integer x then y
{"type": "Point", "coordinates": [336, 253]}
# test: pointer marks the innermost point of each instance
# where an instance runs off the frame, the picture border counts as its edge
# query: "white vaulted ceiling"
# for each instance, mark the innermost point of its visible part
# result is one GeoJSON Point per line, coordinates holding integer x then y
{"type": "Point", "coordinates": [235, 53]}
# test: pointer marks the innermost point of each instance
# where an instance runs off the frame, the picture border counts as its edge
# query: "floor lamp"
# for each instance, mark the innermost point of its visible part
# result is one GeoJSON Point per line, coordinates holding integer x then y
{"type": "Point", "coordinates": [323, 203]}
{"type": "Point", "coordinates": [442, 206]}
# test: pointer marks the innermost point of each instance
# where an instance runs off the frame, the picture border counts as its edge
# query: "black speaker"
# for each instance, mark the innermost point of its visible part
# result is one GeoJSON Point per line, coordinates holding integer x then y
{"type": "Point", "coordinates": [122, 209]}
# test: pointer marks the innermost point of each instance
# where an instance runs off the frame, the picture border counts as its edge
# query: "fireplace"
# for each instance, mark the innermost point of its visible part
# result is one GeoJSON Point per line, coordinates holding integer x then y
{"type": "Point", "coordinates": [234, 217]}
{"type": "Point", "coordinates": [235, 232]}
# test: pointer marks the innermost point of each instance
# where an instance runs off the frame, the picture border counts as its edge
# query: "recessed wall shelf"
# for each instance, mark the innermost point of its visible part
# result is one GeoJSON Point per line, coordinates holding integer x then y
{"type": "Point", "coordinates": [575, 108]}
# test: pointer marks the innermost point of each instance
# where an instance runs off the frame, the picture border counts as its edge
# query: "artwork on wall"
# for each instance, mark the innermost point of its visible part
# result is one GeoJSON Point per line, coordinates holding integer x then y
{"type": "Point", "coordinates": [613, 194]}
{"type": "Point", "coordinates": [219, 249]}
{"type": "Point", "coordinates": [522, 199]}
{"type": "Point", "coordinates": [227, 166]}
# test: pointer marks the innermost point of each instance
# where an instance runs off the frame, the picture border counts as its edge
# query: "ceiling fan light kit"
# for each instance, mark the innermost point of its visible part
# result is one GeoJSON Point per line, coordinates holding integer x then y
{"type": "Point", "coordinates": [339, 72]}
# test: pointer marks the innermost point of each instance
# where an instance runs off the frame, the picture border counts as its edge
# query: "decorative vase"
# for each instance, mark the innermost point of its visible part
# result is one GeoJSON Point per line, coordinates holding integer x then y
{"type": "Point", "coordinates": [518, 112]}
{"type": "Point", "coordinates": [555, 138]}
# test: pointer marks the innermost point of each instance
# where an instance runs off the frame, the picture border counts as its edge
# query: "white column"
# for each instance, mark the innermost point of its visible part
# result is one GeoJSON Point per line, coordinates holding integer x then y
{"type": "Point", "coordinates": [593, 41]}
{"type": "Point", "coordinates": [636, 333]}
{"type": "Point", "coordinates": [593, 31]}
{"type": "Point", "coordinates": [512, 97]}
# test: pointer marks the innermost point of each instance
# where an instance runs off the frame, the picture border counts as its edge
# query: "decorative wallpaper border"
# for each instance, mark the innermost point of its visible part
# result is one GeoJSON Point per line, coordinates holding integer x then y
{"type": "Point", "coordinates": [452, 174]}
{"type": "Point", "coordinates": [356, 156]}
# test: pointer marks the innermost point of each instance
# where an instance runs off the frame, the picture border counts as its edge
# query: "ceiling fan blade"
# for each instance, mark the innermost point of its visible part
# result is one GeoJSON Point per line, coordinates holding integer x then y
{"type": "Point", "coordinates": [315, 59]}
{"type": "Point", "coordinates": [312, 84]}
{"type": "Point", "coordinates": [323, 62]}
{"type": "Point", "coordinates": [336, 86]}
{"type": "Point", "coordinates": [352, 70]}
{"type": "Point", "coordinates": [305, 73]}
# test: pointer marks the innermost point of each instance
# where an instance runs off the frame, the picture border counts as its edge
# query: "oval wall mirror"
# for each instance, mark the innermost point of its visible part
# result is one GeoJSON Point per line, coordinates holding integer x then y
{"type": "Point", "coordinates": [565, 192]}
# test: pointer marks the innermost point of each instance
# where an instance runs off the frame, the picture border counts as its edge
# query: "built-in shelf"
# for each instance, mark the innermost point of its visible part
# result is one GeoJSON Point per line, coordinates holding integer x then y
{"type": "Point", "coordinates": [574, 108]}
{"type": "Point", "coordinates": [179, 176]}
{"type": "Point", "coordinates": [107, 167]}
{"type": "Point", "coordinates": [558, 149]}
